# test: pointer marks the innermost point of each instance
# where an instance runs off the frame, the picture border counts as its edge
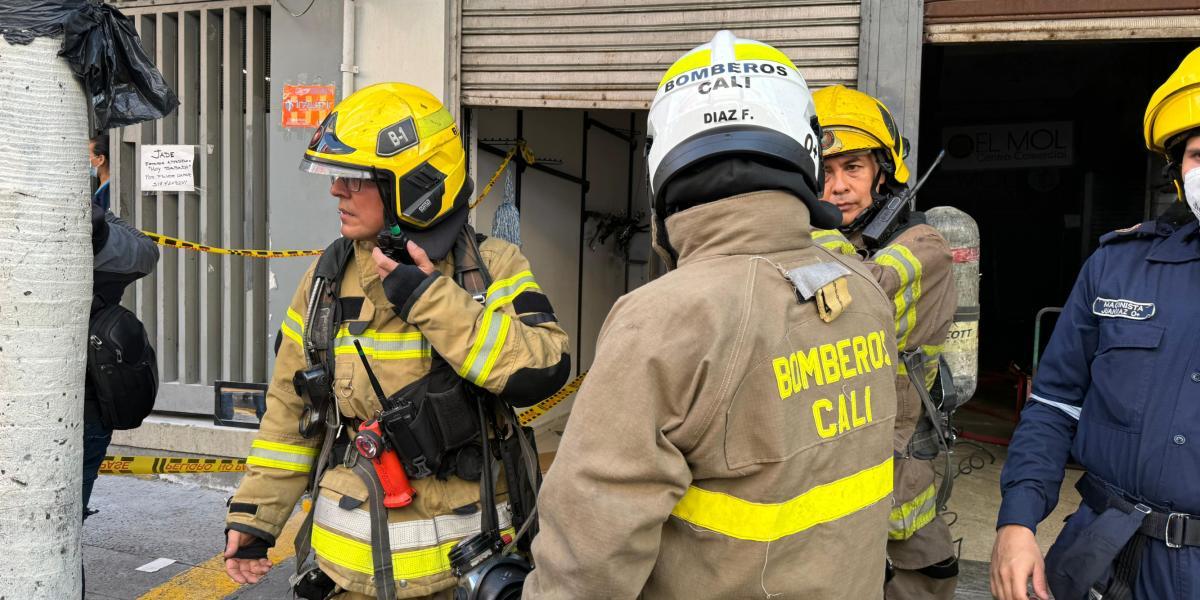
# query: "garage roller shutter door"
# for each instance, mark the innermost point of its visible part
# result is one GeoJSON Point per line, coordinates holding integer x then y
{"type": "Point", "coordinates": [612, 53]}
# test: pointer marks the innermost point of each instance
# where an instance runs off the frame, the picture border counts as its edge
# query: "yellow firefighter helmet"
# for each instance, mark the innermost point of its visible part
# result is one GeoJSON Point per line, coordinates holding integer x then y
{"type": "Point", "coordinates": [401, 137]}
{"type": "Point", "coordinates": [1175, 107]}
{"type": "Point", "coordinates": [852, 121]}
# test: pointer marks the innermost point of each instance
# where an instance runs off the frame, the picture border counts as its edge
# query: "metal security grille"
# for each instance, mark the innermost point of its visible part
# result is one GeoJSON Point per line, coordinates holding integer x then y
{"type": "Point", "coordinates": [206, 314]}
{"type": "Point", "coordinates": [612, 53]}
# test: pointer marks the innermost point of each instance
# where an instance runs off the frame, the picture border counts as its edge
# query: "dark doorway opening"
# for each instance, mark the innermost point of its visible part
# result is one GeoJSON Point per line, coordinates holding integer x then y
{"type": "Point", "coordinates": [1044, 149]}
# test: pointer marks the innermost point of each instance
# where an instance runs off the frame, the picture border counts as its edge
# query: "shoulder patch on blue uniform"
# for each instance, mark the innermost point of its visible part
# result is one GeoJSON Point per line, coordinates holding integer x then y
{"type": "Point", "coordinates": [1140, 230]}
{"type": "Point", "coordinates": [1122, 308]}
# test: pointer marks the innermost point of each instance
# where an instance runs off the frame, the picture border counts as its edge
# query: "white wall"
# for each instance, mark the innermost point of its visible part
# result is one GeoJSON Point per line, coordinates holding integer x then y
{"type": "Point", "coordinates": [551, 210]}
{"type": "Point", "coordinates": [402, 40]}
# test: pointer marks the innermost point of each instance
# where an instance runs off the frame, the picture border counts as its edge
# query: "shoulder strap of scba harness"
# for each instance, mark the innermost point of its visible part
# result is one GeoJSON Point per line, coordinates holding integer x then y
{"type": "Point", "coordinates": [939, 414]}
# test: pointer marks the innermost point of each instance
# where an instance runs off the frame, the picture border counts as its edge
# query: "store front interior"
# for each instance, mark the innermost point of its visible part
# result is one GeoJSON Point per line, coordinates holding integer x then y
{"type": "Point", "coordinates": [1044, 150]}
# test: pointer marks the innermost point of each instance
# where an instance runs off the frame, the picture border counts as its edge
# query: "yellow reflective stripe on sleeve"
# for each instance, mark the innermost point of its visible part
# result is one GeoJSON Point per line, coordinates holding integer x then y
{"type": "Point", "coordinates": [750, 51]}
{"type": "Point", "coordinates": [293, 326]}
{"type": "Point", "coordinates": [503, 291]}
{"type": "Point", "coordinates": [908, 518]}
{"type": "Point", "coordinates": [695, 60]}
{"type": "Point", "coordinates": [834, 240]}
{"type": "Point", "coordinates": [382, 345]}
{"type": "Point", "coordinates": [488, 342]}
{"type": "Point", "coordinates": [356, 556]}
{"type": "Point", "coordinates": [760, 522]}
{"type": "Point", "coordinates": [901, 260]}
{"type": "Point", "coordinates": [290, 334]}
{"type": "Point", "coordinates": [494, 350]}
{"type": "Point", "coordinates": [281, 456]}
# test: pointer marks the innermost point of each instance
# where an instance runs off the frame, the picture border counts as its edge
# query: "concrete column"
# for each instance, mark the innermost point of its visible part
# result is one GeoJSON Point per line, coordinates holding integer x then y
{"type": "Point", "coordinates": [889, 62]}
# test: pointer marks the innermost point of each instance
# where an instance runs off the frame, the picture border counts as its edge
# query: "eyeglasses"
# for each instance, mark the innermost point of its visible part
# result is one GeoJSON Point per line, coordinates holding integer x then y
{"type": "Point", "coordinates": [354, 184]}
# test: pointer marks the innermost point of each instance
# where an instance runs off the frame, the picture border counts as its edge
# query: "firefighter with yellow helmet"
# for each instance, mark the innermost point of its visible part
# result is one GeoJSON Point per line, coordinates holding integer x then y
{"type": "Point", "coordinates": [1118, 390]}
{"type": "Point", "coordinates": [864, 172]}
{"type": "Point", "coordinates": [396, 336]}
{"type": "Point", "coordinates": [733, 437]}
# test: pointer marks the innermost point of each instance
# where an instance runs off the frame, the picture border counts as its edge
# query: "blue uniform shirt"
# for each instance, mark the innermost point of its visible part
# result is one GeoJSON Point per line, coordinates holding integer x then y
{"type": "Point", "coordinates": [1119, 387]}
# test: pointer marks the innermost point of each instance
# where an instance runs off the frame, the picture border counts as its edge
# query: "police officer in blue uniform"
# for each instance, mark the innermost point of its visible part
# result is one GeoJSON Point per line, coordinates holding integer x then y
{"type": "Point", "coordinates": [1119, 391]}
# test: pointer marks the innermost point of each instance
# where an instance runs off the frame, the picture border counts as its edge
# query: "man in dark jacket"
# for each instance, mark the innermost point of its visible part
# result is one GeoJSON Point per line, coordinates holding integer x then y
{"type": "Point", "coordinates": [121, 255]}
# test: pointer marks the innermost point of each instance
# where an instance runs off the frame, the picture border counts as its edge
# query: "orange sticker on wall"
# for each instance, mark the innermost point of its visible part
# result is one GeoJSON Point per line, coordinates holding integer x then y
{"type": "Point", "coordinates": [306, 105]}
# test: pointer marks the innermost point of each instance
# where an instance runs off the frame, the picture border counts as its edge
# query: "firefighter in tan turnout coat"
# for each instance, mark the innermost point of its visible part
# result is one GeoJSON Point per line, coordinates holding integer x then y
{"type": "Point", "coordinates": [863, 160]}
{"type": "Point", "coordinates": [733, 438]}
{"type": "Point", "coordinates": [395, 158]}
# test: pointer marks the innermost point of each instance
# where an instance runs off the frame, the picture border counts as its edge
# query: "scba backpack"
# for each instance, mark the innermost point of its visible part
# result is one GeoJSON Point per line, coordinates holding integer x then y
{"type": "Point", "coordinates": [122, 368]}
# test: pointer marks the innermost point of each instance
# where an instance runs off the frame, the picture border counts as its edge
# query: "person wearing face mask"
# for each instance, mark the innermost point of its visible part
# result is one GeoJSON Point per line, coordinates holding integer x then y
{"type": "Point", "coordinates": [411, 302]}
{"type": "Point", "coordinates": [1118, 390]}
{"type": "Point", "coordinates": [98, 167]}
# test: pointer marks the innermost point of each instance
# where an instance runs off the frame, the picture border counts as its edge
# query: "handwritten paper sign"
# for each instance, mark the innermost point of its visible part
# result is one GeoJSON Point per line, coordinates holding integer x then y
{"type": "Point", "coordinates": [167, 168]}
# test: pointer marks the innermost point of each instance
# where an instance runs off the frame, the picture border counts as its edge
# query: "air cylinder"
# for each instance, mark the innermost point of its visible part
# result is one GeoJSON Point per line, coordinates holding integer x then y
{"type": "Point", "coordinates": [962, 342]}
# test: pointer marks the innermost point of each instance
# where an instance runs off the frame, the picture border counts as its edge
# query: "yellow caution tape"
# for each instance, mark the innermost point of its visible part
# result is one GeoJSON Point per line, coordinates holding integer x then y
{"type": "Point", "coordinates": [149, 465]}
{"type": "Point", "coordinates": [526, 153]}
{"type": "Point", "coordinates": [533, 412]}
{"type": "Point", "coordinates": [186, 245]}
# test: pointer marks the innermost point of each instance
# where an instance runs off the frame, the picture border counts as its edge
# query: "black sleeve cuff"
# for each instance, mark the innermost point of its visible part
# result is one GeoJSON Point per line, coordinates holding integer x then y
{"type": "Point", "coordinates": [402, 283]}
{"type": "Point", "coordinates": [266, 538]}
{"type": "Point", "coordinates": [529, 385]}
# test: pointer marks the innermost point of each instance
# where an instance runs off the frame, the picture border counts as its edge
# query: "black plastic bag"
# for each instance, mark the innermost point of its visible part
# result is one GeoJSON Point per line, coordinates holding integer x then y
{"type": "Point", "coordinates": [23, 20]}
{"type": "Point", "coordinates": [105, 53]}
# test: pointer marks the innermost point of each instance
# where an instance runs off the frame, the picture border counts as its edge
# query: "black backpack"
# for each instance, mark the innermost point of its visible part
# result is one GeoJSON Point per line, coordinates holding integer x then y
{"type": "Point", "coordinates": [122, 368]}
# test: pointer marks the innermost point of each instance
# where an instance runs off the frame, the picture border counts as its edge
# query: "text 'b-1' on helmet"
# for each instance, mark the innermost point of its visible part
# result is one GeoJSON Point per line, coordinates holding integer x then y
{"type": "Point", "coordinates": [401, 137]}
{"type": "Point", "coordinates": [852, 121]}
{"type": "Point", "coordinates": [1174, 112]}
{"type": "Point", "coordinates": [734, 97]}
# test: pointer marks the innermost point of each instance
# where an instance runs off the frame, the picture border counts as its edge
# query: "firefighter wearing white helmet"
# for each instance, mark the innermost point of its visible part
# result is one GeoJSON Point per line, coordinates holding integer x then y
{"type": "Point", "coordinates": [864, 168]}
{"type": "Point", "coordinates": [733, 438]}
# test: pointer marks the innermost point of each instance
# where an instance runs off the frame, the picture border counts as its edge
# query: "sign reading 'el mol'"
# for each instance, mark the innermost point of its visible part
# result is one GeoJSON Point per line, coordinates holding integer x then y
{"type": "Point", "coordinates": [1008, 146]}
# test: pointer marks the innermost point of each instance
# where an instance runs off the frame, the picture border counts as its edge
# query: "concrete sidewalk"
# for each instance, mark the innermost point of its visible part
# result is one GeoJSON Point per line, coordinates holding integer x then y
{"type": "Point", "coordinates": [180, 517]}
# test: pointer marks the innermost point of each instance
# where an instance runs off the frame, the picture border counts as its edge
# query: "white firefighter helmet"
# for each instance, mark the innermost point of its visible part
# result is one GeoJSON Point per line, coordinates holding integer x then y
{"type": "Point", "coordinates": [734, 96]}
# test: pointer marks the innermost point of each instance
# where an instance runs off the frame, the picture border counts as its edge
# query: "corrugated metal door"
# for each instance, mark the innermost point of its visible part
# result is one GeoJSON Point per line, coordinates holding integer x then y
{"type": "Point", "coordinates": [958, 21]}
{"type": "Point", "coordinates": [206, 314]}
{"type": "Point", "coordinates": [612, 53]}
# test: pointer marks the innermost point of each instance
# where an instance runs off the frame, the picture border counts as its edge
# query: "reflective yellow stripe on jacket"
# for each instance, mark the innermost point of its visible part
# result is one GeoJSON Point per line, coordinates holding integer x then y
{"type": "Point", "coordinates": [907, 266]}
{"type": "Point", "coordinates": [493, 329]}
{"type": "Point", "coordinates": [281, 456]}
{"type": "Point", "coordinates": [419, 548]}
{"type": "Point", "coordinates": [833, 239]}
{"type": "Point", "coordinates": [906, 519]}
{"type": "Point", "coordinates": [293, 327]}
{"type": "Point", "coordinates": [382, 345]}
{"type": "Point", "coordinates": [766, 522]}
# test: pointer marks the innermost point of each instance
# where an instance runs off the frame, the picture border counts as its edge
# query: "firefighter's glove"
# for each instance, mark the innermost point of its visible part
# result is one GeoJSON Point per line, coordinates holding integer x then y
{"type": "Point", "coordinates": [404, 284]}
{"type": "Point", "coordinates": [99, 228]}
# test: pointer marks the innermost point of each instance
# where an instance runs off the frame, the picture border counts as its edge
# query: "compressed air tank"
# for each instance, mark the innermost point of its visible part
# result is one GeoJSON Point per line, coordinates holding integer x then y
{"type": "Point", "coordinates": [962, 343]}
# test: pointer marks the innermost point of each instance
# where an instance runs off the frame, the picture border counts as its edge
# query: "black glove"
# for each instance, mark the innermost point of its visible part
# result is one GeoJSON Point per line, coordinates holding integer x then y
{"type": "Point", "coordinates": [99, 228]}
{"type": "Point", "coordinates": [404, 284]}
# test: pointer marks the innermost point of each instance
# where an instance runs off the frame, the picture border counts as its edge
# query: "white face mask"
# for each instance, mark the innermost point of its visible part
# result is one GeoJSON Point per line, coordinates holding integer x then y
{"type": "Point", "coordinates": [1191, 189]}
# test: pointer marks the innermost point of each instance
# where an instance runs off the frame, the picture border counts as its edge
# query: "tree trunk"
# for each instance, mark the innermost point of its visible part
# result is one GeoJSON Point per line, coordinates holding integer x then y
{"type": "Point", "coordinates": [45, 295]}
